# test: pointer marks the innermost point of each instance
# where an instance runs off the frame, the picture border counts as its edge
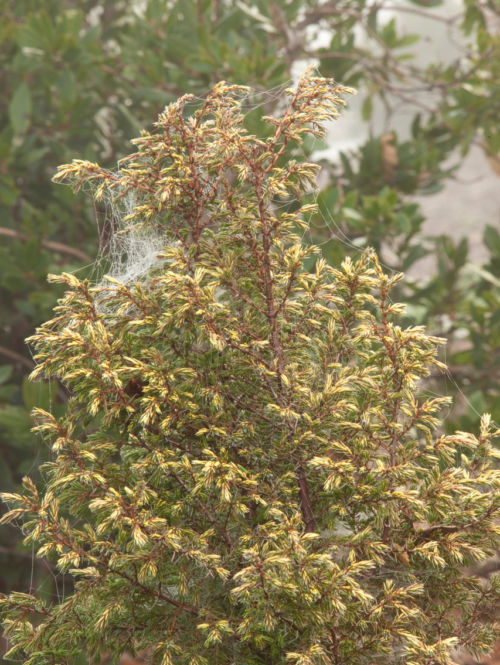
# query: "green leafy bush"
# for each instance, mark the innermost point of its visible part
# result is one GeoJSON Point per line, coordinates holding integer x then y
{"type": "Point", "coordinates": [245, 471]}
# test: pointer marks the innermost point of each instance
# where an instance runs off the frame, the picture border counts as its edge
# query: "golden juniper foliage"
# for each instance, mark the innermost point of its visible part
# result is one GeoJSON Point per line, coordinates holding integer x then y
{"type": "Point", "coordinates": [246, 472]}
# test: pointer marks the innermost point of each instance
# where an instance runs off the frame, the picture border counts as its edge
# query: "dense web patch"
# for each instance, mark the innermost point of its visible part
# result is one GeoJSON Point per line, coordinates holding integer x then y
{"type": "Point", "coordinates": [132, 251]}
{"type": "Point", "coordinates": [129, 253]}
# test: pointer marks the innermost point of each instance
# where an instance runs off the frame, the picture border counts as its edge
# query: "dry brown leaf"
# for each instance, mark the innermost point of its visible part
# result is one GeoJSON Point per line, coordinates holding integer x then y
{"type": "Point", "coordinates": [389, 155]}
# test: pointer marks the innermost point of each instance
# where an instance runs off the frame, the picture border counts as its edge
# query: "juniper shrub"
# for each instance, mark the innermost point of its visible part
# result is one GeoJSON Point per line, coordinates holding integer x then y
{"type": "Point", "coordinates": [246, 471]}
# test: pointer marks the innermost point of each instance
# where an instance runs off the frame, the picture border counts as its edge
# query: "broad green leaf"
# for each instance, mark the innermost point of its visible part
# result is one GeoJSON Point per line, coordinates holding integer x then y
{"type": "Point", "coordinates": [491, 239]}
{"type": "Point", "coordinates": [5, 373]}
{"type": "Point", "coordinates": [20, 108]}
{"type": "Point", "coordinates": [39, 393]}
{"type": "Point", "coordinates": [367, 108]}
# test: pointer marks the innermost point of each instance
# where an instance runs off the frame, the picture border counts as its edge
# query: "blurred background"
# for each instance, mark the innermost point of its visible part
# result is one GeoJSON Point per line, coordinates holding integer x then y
{"type": "Point", "coordinates": [412, 168]}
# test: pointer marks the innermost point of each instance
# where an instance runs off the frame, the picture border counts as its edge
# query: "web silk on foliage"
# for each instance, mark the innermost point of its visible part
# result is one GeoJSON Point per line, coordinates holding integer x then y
{"type": "Point", "coordinates": [134, 252]}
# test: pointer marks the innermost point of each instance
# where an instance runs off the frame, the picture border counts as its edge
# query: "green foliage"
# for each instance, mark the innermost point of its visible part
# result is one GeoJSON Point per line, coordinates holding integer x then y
{"type": "Point", "coordinates": [245, 471]}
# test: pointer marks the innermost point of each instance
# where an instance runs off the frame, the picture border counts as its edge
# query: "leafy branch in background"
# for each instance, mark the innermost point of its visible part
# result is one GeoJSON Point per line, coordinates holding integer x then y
{"type": "Point", "coordinates": [276, 490]}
